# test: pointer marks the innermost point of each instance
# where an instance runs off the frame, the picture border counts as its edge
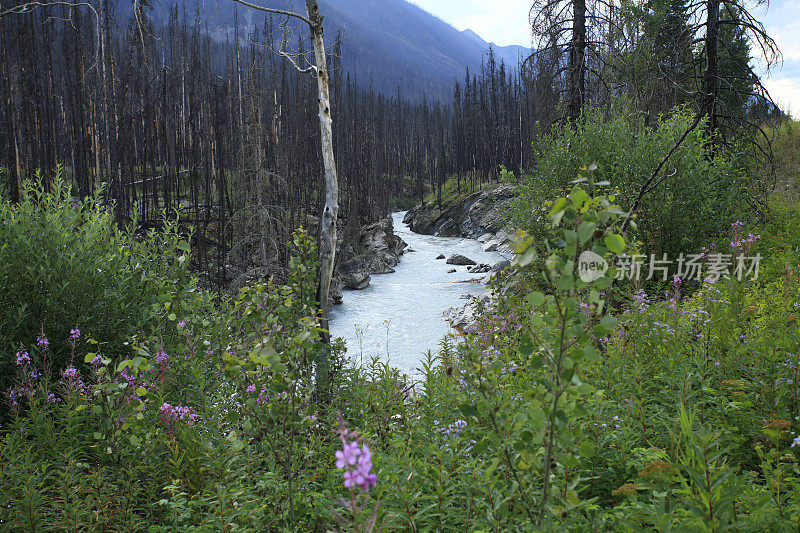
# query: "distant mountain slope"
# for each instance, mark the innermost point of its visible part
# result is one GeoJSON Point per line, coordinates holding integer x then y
{"type": "Point", "coordinates": [389, 43]}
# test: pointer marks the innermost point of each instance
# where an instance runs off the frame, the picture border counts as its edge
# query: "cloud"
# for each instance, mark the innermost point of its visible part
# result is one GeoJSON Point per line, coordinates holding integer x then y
{"type": "Point", "coordinates": [786, 93]}
{"type": "Point", "coordinates": [503, 22]}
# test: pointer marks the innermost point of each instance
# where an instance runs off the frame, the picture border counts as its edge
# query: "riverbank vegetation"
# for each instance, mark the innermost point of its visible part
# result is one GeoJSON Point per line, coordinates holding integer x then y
{"type": "Point", "coordinates": [609, 404]}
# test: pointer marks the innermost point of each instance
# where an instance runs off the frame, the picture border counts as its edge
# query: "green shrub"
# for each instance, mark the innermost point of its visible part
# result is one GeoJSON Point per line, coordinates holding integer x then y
{"type": "Point", "coordinates": [698, 199]}
{"type": "Point", "coordinates": [65, 264]}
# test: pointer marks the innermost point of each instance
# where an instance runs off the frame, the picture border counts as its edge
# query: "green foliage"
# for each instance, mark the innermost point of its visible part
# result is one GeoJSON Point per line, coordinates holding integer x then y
{"type": "Point", "coordinates": [206, 430]}
{"type": "Point", "coordinates": [454, 190]}
{"type": "Point", "coordinates": [785, 137]}
{"type": "Point", "coordinates": [65, 264]}
{"type": "Point", "coordinates": [696, 202]}
{"type": "Point", "coordinates": [560, 409]}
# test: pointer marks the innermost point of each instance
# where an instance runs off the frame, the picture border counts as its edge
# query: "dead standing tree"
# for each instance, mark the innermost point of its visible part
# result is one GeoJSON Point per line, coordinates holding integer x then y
{"type": "Point", "coordinates": [327, 245]}
{"type": "Point", "coordinates": [571, 38]}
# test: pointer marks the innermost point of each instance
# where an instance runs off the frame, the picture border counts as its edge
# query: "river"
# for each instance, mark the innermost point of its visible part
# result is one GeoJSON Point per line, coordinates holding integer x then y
{"type": "Point", "coordinates": [399, 316]}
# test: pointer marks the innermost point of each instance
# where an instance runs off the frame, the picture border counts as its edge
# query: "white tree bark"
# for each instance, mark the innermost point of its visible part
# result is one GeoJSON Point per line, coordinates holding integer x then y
{"type": "Point", "coordinates": [327, 245]}
{"type": "Point", "coordinates": [330, 213]}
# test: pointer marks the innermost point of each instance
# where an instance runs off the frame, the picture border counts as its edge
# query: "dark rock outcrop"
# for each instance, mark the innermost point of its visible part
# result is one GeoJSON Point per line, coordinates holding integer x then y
{"type": "Point", "coordinates": [376, 251]}
{"type": "Point", "coordinates": [475, 216]}
{"type": "Point", "coordinates": [500, 266]}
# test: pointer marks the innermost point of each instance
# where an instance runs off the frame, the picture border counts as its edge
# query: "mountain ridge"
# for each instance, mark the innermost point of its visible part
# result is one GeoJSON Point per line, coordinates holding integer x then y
{"type": "Point", "coordinates": [391, 45]}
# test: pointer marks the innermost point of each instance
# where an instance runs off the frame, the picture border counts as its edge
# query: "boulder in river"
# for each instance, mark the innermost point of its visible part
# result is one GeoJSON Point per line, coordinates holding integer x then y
{"type": "Point", "coordinates": [479, 269]}
{"type": "Point", "coordinates": [440, 256]}
{"type": "Point", "coordinates": [375, 251]}
{"type": "Point", "coordinates": [355, 281]}
{"type": "Point", "coordinates": [451, 271]}
{"type": "Point", "coordinates": [458, 259]}
{"type": "Point", "coordinates": [461, 317]}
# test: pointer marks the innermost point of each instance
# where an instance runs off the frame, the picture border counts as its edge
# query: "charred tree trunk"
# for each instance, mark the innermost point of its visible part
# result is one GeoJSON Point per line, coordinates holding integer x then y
{"type": "Point", "coordinates": [708, 104]}
{"type": "Point", "coordinates": [577, 67]}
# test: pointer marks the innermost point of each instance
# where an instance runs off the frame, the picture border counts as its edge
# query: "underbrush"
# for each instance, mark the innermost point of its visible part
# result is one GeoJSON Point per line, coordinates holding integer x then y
{"type": "Point", "coordinates": [65, 264]}
{"type": "Point", "coordinates": [569, 405]}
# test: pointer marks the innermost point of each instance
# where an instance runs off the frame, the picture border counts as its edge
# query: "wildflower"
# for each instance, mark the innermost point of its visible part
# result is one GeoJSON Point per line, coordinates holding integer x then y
{"type": "Point", "coordinates": [351, 455]}
{"type": "Point", "coordinates": [251, 388]}
{"type": "Point", "coordinates": [52, 398]}
{"type": "Point", "coordinates": [641, 300]}
{"type": "Point", "coordinates": [175, 413]}
{"type": "Point", "coordinates": [209, 352]}
{"type": "Point", "coordinates": [70, 372]}
{"type": "Point", "coordinates": [17, 393]}
{"type": "Point", "coordinates": [23, 359]}
{"type": "Point", "coordinates": [348, 455]}
{"type": "Point", "coordinates": [42, 342]}
{"type": "Point", "coordinates": [74, 334]}
{"type": "Point", "coordinates": [795, 442]}
{"type": "Point", "coordinates": [361, 476]}
{"type": "Point", "coordinates": [181, 324]}
{"type": "Point", "coordinates": [262, 397]}
{"type": "Point", "coordinates": [162, 358]}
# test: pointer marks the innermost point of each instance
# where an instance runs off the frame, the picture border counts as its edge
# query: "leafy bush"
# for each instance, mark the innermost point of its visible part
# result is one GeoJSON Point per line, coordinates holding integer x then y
{"type": "Point", "coordinates": [64, 263]}
{"type": "Point", "coordinates": [697, 201]}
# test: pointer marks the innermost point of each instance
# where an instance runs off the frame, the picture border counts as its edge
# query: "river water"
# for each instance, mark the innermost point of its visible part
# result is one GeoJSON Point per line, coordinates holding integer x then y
{"type": "Point", "coordinates": [399, 316]}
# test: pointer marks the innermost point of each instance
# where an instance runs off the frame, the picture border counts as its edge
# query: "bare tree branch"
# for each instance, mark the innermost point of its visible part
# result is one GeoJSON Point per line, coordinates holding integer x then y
{"type": "Point", "coordinates": [276, 11]}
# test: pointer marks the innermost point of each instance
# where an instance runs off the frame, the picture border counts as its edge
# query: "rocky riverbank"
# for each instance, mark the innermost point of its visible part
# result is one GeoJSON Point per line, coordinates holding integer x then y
{"type": "Point", "coordinates": [376, 251]}
{"type": "Point", "coordinates": [479, 216]}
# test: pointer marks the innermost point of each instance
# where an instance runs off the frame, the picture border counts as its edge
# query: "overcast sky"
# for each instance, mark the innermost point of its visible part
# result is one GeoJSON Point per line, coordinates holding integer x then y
{"type": "Point", "coordinates": [506, 22]}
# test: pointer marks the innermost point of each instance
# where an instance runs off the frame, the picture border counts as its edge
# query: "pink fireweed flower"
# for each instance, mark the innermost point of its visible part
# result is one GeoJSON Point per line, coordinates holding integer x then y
{"type": "Point", "coordinates": [181, 324]}
{"type": "Point", "coordinates": [364, 478]}
{"type": "Point", "coordinates": [177, 413]}
{"type": "Point", "coordinates": [70, 372]}
{"type": "Point", "coordinates": [348, 455]}
{"type": "Point", "coordinates": [351, 456]}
